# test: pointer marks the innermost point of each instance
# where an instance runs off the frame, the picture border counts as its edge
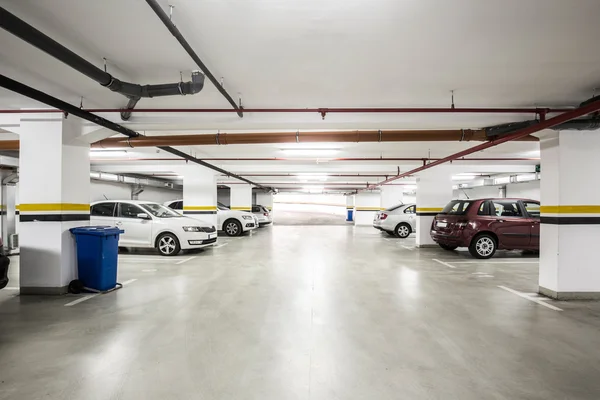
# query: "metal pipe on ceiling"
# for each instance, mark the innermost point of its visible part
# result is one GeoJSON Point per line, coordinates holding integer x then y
{"type": "Point", "coordinates": [132, 91]}
{"type": "Point", "coordinates": [370, 159]}
{"type": "Point", "coordinates": [589, 108]}
{"type": "Point", "coordinates": [326, 110]}
{"type": "Point", "coordinates": [67, 108]}
{"type": "Point", "coordinates": [166, 20]}
{"type": "Point", "coordinates": [300, 137]}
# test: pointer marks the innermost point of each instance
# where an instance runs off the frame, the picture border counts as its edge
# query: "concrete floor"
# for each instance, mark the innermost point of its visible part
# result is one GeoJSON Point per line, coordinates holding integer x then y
{"type": "Point", "coordinates": [304, 312]}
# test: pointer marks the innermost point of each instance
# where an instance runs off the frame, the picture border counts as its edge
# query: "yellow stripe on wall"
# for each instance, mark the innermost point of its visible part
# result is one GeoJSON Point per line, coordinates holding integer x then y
{"type": "Point", "coordinates": [429, 209]}
{"type": "Point", "coordinates": [199, 208]}
{"type": "Point", "coordinates": [241, 208]}
{"type": "Point", "coordinates": [570, 209]}
{"type": "Point", "coordinates": [369, 209]}
{"type": "Point", "coordinates": [53, 207]}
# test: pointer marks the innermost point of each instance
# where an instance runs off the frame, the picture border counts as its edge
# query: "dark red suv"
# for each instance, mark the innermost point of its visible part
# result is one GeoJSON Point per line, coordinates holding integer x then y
{"type": "Point", "coordinates": [485, 225]}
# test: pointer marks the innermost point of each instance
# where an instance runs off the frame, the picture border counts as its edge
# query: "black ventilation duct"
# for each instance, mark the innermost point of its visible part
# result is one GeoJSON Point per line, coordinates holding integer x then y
{"type": "Point", "coordinates": [133, 91]}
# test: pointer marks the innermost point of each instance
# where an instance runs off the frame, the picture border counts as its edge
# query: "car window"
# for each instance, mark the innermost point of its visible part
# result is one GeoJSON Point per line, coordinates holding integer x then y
{"type": "Point", "coordinates": [506, 208]}
{"type": "Point", "coordinates": [103, 210]}
{"type": "Point", "coordinates": [127, 210]}
{"type": "Point", "coordinates": [176, 205]}
{"type": "Point", "coordinates": [484, 208]}
{"type": "Point", "coordinates": [533, 208]}
{"type": "Point", "coordinates": [158, 210]}
{"type": "Point", "coordinates": [410, 210]}
{"type": "Point", "coordinates": [256, 209]}
{"type": "Point", "coordinates": [222, 207]}
{"type": "Point", "coordinates": [456, 207]}
{"type": "Point", "coordinates": [264, 209]}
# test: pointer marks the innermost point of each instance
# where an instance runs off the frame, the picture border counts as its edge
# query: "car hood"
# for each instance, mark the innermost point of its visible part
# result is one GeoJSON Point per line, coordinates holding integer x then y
{"type": "Point", "coordinates": [188, 221]}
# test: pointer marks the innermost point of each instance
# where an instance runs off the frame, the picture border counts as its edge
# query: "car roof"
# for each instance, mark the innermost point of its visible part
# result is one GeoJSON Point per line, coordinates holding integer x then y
{"type": "Point", "coordinates": [125, 201]}
{"type": "Point", "coordinates": [503, 198]}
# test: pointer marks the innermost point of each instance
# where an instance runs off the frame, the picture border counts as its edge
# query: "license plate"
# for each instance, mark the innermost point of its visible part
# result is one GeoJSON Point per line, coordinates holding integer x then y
{"type": "Point", "coordinates": [442, 224]}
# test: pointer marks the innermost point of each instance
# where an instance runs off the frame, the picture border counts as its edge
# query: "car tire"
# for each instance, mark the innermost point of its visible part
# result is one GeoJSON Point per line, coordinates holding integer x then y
{"type": "Point", "coordinates": [448, 247]}
{"type": "Point", "coordinates": [483, 246]}
{"type": "Point", "coordinates": [232, 227]}
{"type": "Point", "coordinates": [168, 245]}
{"type": "Point", "coordinates": [403, 230]}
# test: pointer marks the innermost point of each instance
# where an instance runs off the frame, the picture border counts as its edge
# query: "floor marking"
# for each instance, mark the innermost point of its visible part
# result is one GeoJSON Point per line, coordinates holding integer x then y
{"type": "Point", "coordinates": [138, 259]}
{"type": "Point", "coordinates": [11, 288]}
{"type": "Point", "coordinates": [185, 260]}
{"type": "Point", "coordinates": [531, 298]}
{"type": "Point", "coordinates": [495, 262]}
{"type": "Point", "coordinates": [479, 273]}
{"type": "Point", "coordinates": [91, 296]}
{"type": "Point", "coordinates": [485, 276]}
{"type": "Point", "coordinates": [220, 245]}
{"type": "Point", "coordinates": [443, 263]}
{"type": "Point", "coordinates": [150, 270]}
{"type": "Point", "coordinates": [411, 248]}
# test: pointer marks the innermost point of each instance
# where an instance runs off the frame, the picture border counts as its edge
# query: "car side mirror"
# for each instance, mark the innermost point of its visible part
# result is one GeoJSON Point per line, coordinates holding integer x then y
{"type": "Point", "coordinates": [143, 216]}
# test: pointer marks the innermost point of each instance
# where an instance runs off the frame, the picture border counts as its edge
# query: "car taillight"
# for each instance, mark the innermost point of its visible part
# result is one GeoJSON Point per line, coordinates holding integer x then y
{"type": "Point", "coordinates": [383, 216]}
{"type": "Point", "coordinates": [266, 214]}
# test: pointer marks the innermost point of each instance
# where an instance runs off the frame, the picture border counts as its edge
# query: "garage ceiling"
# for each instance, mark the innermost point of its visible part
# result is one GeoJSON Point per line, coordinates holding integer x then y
{"type": "Point", "coordinates": [320, 53]}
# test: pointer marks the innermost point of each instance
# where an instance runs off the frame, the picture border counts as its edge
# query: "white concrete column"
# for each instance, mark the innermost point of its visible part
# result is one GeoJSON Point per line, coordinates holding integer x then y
{"type": "Point", "coordinates": [570, 215]}
{"type": "Point", "coordinates": [350, 208]}
{"type": "Point", "coordinates": [200, 193]}
{"type": "Point", "coordinates": [366, 205]}
{"type": "Point", "coordinates": [434, 191]}
{"type": "Point", "coordinates": [265, 199]}
{"type": "Point", "coordinates": [391, 195]}
{"type": "Point", "coordinates": [54, 195]}
{"type": "Point", "coordinates": [241, 197]}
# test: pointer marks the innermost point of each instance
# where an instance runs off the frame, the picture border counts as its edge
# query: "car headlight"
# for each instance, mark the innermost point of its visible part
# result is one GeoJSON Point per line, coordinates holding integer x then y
{"type": "Point", "coordinates": [247, 217]}
{"type": "Point", "coordinates": [192, 229]}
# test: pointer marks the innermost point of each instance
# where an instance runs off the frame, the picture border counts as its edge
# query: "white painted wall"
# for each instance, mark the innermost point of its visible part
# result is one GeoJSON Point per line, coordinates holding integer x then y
{"type": "Point", "coordinates": [319, 203]}
{"type": "Point", "coordinates": [121, 191]}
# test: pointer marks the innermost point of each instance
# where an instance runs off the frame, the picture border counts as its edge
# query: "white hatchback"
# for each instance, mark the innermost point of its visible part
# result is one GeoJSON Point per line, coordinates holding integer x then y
{"type": "Point", "coordinates": [149, 225]}
{"type": "Point", "coordinates": [398, 220]}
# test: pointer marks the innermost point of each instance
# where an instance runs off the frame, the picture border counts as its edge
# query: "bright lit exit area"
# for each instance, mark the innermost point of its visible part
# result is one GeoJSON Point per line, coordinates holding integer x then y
{"type": "Point", "coordinates": [299, 199]}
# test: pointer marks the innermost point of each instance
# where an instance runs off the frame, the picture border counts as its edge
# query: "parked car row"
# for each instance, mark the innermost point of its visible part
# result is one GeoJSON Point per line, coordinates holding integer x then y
{"type": "Point", "coordinates": [152, 225]}
{"type": "Point", "coordinates": [481, 225]}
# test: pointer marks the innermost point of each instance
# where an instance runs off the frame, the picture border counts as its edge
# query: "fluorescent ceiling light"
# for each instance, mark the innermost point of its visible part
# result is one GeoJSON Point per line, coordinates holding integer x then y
{"type": "Point", "coordinates": [310, 152]}
{"type": "Point", "coordinates": [107, 153]}
{"type": "Point", "coordinates": [305, 177]}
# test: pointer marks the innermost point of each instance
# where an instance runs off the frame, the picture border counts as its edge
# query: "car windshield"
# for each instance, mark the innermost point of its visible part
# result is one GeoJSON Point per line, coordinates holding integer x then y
{"type": "Point", "coordinates": [456, 207]}
{"type": "Point", "coordinates": [222, 207]}
{"type": "Point", "coordinates": [394, 207]}
{"type": "Point", "coordinates": [159, 211]}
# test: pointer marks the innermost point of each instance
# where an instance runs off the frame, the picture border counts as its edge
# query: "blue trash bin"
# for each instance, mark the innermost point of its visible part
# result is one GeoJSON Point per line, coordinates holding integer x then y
{"type": "Point", "coordinates": [97, 253]}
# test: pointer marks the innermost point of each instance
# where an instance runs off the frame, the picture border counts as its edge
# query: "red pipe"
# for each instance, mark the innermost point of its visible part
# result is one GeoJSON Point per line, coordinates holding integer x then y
{"type": "Point", "coordinates": [547, 123]}
{"type": "Point", "coordinates": [322, 111]}
{"type": "Point", "coordinates": [425, 159]}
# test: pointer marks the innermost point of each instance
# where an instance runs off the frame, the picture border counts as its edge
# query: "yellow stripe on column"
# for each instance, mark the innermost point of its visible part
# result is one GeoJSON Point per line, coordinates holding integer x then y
{"type": "Point", "coordinates": [33, 207]}
{"type": "Point", "coordinates": [369, 209]}
{"type": "Point", "coordinates": [241, 208]}
{"type": "Point", "coordinates": [199, 208]}
{"type": "Point", "coordinates": [570, 209]}
{"type": "Point", "coordinates": [429, 209]}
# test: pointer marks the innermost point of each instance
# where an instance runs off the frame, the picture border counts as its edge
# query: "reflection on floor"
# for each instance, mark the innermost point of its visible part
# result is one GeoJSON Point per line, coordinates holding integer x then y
{"type": "Point", "coordinates": [304, 312]}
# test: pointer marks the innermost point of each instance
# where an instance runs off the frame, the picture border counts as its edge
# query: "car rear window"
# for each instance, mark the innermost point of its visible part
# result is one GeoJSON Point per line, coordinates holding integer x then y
{"type": "Point", "coordinates": [394, 207]}
{"type": "Point", "coordinates": [456, 207]}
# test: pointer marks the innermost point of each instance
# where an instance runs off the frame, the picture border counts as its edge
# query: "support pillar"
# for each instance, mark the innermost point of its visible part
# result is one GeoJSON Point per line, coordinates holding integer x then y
{"type": "Point", "coordinates": [366, 205]}
{"type": "Point", "coordinates": [434, 191]}
{"type": "Point", "coordinates": [570, 215]}
{"type": "Point", "coordinates": [350, 208]}
{"type": "Point", "coordinates": [200, 193]}
{"type": "Point", "coordinates": [391, 195]}
{"type": "Point", "coordinates": [54, 197]}
{"type": "Point", "coordinates": [241, 197]}
{"type": "Point", "coordinates": [265, 199]}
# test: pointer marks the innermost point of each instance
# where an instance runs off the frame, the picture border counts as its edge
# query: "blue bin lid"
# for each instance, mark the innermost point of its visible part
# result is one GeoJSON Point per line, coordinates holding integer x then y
{"type": "Point", "coordinates": [96, 230]}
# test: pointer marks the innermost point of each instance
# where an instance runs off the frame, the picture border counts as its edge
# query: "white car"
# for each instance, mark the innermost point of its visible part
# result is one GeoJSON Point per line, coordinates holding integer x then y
{"type": "Point", "coordinates": [399, 220]}
{"type": "Point", "coordinates": [263, 215]}
{"type": "Point", "coordinates": [232, 222]}
{"type": "Point", "coordinates": [148, 224]}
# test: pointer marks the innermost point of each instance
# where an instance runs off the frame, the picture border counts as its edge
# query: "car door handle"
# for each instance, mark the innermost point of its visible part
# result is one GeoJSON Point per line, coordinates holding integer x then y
{"type": "Point", "coordinates": [119, 223]}
{"type": "Point", "coordinates": [499, 220]}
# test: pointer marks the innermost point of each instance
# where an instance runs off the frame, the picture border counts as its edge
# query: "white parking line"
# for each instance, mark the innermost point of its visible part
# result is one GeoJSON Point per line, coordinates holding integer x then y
{"type": "Point", "coordinates": [530, 298]}
{"type": "Point", "coordinates": [91, 296]}
{"type": "Point", "coordinates": [495, 262]}
{"type": "Point", "coordinates": [185, 260]}
{"type": "Point", "coordinates": [411, 248]}
{"type": "Point", "coordinates": [443, 263]}
{"type": "Point", "coordinates": [11, 288]}
{"type": "Point", "coordinates": [220, 245]}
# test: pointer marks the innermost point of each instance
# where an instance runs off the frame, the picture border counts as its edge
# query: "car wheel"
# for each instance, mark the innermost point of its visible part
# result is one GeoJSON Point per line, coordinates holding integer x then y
{"type": "Point", "coordinates": [447, 247]}
{"type": "Point", "coordinates": [168, 245]}
{"type": "Point", "coordinates": [232, 227]}
{"type": "Point", "coordinates": [483, 246]}
{"type": "Point", "coordinates": [403, 230]}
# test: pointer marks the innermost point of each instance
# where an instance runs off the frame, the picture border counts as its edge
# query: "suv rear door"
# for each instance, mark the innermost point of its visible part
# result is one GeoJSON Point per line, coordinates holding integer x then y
{"type": "Point", "coordinates": [532, 209]}
{"type": "Point", "coordinates": [510, 223]}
